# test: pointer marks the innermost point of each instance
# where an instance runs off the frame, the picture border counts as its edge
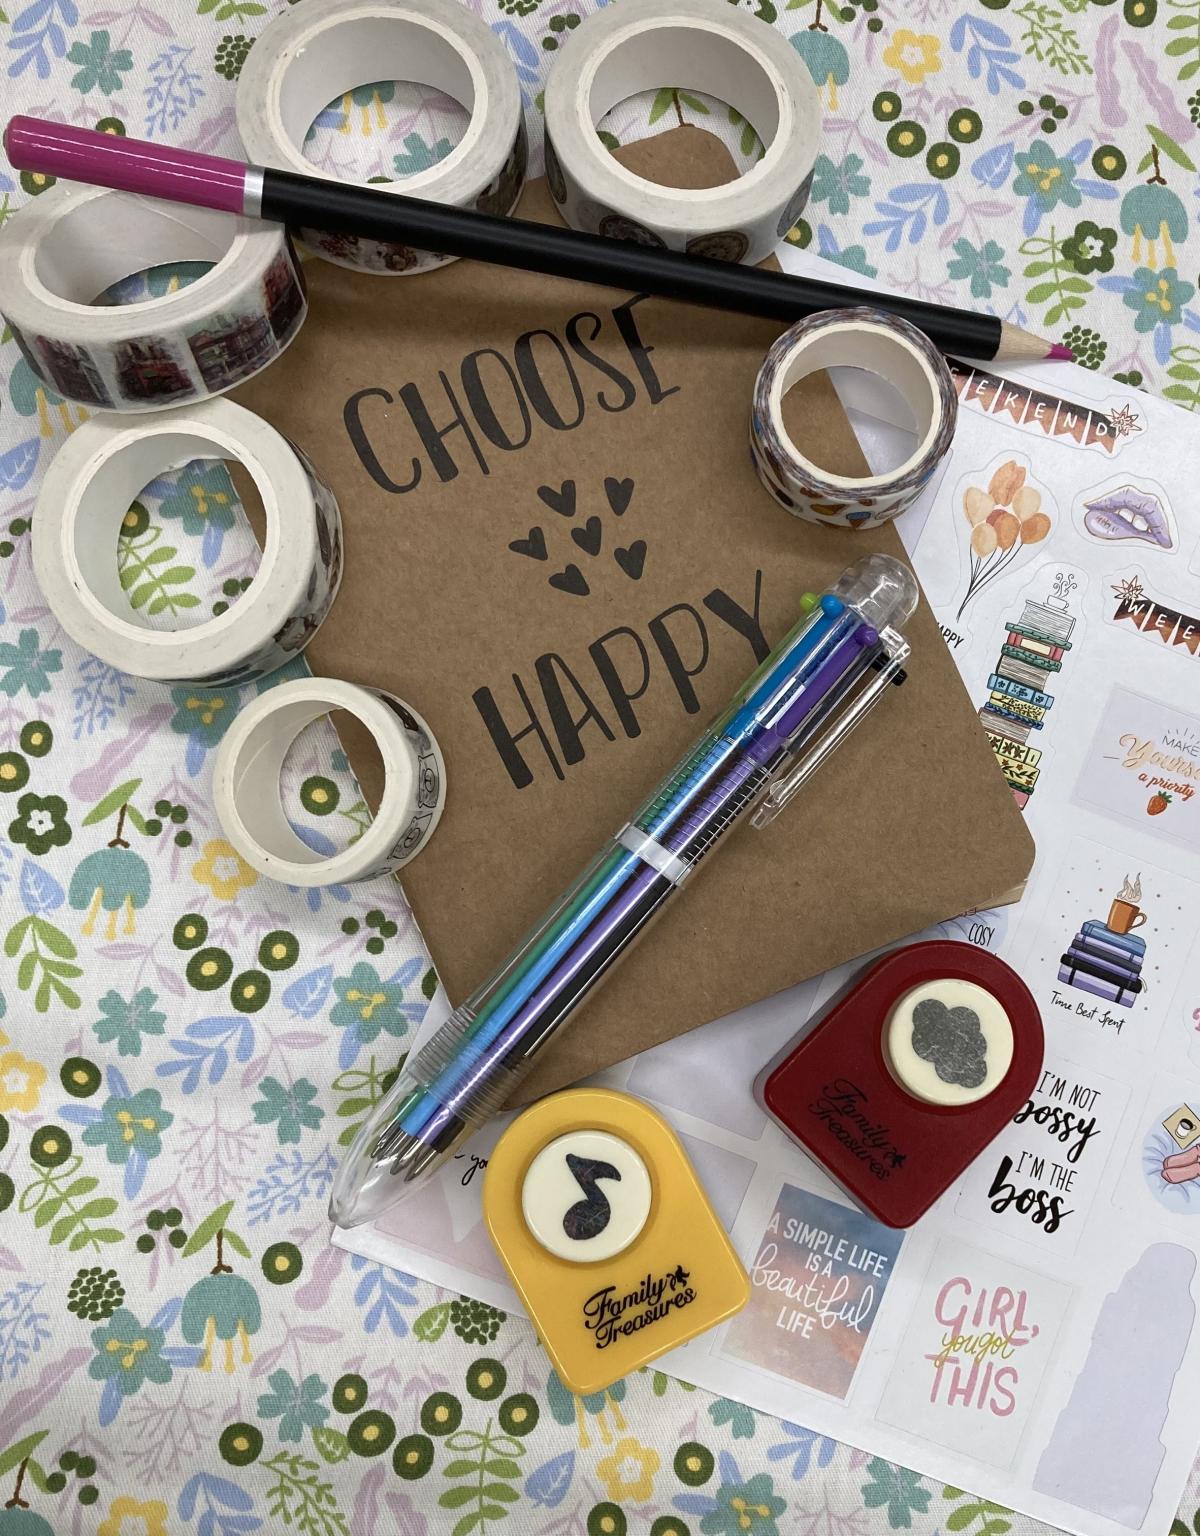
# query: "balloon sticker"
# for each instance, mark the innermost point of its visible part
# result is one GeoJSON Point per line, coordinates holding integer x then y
{"type": "Point", "coordinates": [1006, 512]}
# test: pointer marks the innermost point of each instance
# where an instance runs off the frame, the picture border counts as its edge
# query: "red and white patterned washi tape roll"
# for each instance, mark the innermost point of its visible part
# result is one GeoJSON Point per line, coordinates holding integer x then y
{"type": "Point", "coordinates": [882, 345]}
{"type": "Point", "coordinates": [315, 52]}
{"type": "Point", "coordinates": [81, 509]}
{"type": "Point", "coordinates": [69, 246]}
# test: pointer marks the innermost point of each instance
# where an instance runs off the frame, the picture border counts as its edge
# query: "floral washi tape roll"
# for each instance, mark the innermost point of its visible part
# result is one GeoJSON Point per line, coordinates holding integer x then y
{"type": "Point", "coordinates": [249, 805]}
{"type": "Point", "coordinates": [86, 497]}
{"type": "Point", "coordinates": [701, 45]}
{"type": "Point", "coordinates": [69, 246]}
{"type": "Point", "coordinates": [323, 49]}
{"type": "Point", "coordinates": [879, 344]}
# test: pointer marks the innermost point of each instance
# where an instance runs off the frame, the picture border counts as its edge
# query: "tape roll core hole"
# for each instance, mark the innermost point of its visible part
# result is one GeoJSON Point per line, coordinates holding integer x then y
{"type": "Point", "coordinates": [107, 511]}
{"type": "Point", "coordinates": [686, 58]}
{"type": "Point", "coordinates": [88, 249]}
{"type": "Point", "coordinates": [366, 65]}
{"type": "Point", "coordinates": [899, 389]}
{"type": "Point", "coordinates": [257, 780]}
{"type": "Point", "coordinates": [325, 804]}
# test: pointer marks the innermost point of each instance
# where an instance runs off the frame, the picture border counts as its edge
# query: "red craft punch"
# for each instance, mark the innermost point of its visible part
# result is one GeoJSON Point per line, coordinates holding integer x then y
{"type": "Point", "coordinates": [909, 1075]}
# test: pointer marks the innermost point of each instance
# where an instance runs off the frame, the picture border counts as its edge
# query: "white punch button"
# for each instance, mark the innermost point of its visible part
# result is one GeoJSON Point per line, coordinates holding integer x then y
{"type": "Point", "coordinates": [948, 1042]}
{"type": "Point", "coordinates": [586, 1196]}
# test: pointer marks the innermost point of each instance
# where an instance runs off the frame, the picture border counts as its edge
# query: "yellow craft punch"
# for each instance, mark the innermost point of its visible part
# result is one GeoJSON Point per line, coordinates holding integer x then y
{"type": "Point", "coordinates": [607, 1235]}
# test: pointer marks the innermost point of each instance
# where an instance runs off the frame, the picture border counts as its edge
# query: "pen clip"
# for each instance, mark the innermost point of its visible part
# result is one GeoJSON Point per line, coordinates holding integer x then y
{"type": "Point", "coordinates": [838, 721]}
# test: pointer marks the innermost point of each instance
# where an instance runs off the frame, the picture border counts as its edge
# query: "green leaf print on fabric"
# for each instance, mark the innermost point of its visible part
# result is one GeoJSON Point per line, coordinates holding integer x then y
{"type": "Point", "coordinates": [300, 1497]}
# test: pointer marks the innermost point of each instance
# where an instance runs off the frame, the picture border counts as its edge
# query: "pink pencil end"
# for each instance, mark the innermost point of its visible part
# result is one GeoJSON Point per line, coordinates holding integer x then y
{"type": "Point", "coordinates": [126, 165]}
{"type": "Point", "coordinates": [1059, 353]}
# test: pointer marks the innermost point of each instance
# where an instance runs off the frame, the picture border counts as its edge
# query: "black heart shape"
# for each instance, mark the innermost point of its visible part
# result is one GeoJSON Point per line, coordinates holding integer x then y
{"type": "Point", "coordinates": [588, 537]}
{"type": "Point", "coordinates": [632, 560]}
{"type": "Point", "coordinates": [561, 501]}
{"type": "Point", "coordinates": [534, 546]}
{"type": "Point", "coordinates": [619, 493]}
{"type": "Point", "coordinates": [571, 580]}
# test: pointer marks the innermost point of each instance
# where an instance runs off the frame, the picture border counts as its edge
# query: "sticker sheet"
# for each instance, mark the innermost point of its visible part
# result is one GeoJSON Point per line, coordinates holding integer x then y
{"type": "Point", "coordinates": [1033, 1338]}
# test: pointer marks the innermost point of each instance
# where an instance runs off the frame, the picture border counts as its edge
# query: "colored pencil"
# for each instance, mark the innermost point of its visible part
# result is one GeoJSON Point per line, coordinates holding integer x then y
{"type": "Point", "coordinates": [316, 202]}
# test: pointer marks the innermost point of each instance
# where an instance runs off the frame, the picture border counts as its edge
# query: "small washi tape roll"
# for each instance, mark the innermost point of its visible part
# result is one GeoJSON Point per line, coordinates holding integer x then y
{"type": "Point", "coordinates": [882, 345]}
{"type": "Point", "coordinates": [71, 244]}
{"type": "Point", "coordinates": [701, 45]}
{"type": "Point", "coordinates": [249, 805]}
{"type": "Point", "coordinates": [86, 495]}
{"type": "Point", "coordinates": [315, 52]}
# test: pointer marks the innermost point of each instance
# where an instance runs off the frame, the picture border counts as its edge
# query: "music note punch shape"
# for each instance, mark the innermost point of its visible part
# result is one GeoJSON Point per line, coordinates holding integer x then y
{"type": "Point", "coordinates": [616, 1196]}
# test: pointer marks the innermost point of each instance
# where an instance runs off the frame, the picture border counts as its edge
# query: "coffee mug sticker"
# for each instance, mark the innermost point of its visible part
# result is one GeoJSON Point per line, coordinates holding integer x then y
{"type": "Point", "coordinates": [1168, 1153]}
{"type": "Point", "coordinates": [1106, 952]}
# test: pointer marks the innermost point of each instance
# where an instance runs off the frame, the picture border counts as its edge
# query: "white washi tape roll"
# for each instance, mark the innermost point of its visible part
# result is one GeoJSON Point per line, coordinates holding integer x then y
{"type": "Point", "coordinates": [322, 49]}
{"type": "Point", "coordinates": [700, 45]}
{"type": "Point", "coordinates": [249, 804]}
{"type": "Point", "coordinates": [64, 249]}
{"type": "Point", "coordinates": [86, 494]}
{"type": "Point", "coordinates": [882, 345]}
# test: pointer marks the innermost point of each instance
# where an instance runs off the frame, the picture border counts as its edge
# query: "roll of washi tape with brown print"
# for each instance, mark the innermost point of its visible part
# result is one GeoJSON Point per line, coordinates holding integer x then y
{"type": "Point", "coordinates": [67, 248]}
{"type": "Point", "coordinates": [701, 45]}
{"type": "Point", "coordinates": [315, 52]}
{"type": "Point", "coordinates": [879, 344]}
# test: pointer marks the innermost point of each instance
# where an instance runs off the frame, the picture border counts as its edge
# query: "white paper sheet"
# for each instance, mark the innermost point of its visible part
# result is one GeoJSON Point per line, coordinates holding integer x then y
{"type": "Point", "coordinates": [1065, 1245]}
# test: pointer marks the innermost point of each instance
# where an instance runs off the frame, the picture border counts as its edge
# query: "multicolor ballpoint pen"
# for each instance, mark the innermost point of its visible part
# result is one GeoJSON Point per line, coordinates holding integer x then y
{"type": "Point", "coordinates": [783, 670]}
{"type": "Point", "coordinates": [824, 677]}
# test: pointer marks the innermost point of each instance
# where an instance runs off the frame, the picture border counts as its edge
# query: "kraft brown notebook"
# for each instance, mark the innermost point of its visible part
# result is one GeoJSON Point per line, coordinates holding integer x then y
{"type": "Point", "coordinates": [558, 550]}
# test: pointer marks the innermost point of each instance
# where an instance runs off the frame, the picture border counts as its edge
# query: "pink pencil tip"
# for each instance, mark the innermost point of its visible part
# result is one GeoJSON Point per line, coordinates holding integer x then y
{"type": "Point", "coordinates": [1059, 353]}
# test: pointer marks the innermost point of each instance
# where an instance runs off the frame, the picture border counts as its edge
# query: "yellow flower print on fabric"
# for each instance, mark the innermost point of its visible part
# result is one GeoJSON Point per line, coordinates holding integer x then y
{"type": "Point", "coordinates": [223, 870]}
{"type": "Point", "coordinates": [130, 1517]}
{"type": "Point", "coordinates": [20, 1082]}
{"type": "Point", "coordinates": [913, 55]}
{"type": "Point", "coordinates": [628, 1473]}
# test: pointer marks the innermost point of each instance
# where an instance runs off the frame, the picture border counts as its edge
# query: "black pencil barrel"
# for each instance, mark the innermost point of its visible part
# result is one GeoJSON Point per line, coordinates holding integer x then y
{"type": "Point", "coordinates": [310, 203]}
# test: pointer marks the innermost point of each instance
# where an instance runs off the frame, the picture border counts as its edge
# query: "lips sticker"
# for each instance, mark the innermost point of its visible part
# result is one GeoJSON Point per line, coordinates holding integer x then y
{"type": "Point", "coordinates": [1129, 513]}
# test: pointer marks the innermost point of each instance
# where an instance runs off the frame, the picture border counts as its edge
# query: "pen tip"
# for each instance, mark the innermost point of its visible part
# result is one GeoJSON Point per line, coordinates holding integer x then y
{"type": "Point", "coordinates": [1059, 353]}
{"type": "Point", "coordinates": [419, 1166]}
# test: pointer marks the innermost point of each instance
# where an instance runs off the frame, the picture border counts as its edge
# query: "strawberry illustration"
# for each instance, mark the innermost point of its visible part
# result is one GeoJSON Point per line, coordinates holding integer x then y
{"type": "Point", "coordinates": [1158, 803]}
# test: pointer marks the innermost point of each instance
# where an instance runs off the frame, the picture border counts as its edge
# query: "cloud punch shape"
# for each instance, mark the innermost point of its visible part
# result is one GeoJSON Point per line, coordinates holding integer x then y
{"type": "Point", "coordinates": [952, 1041]}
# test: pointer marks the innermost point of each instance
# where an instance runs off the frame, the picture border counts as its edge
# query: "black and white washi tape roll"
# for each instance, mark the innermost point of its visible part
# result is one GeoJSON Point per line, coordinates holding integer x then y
{"type": "Point", "coordinates": [312, 53]}
{"type": "Point", "coordinates": [86, 496]}
{"type": "Point", "coordinates": [699, 45]}
{"type": "Point", "coordinates": [66, 248]}
{"type": "Point", "coordinates": [879, 344]}
{"type": "Point", "coordinates": [249, 803]}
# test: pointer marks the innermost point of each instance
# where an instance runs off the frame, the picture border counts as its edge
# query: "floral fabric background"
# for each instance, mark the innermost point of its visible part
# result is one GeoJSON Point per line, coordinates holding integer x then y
{"type": "Point", "coordinates": [186, 1050]}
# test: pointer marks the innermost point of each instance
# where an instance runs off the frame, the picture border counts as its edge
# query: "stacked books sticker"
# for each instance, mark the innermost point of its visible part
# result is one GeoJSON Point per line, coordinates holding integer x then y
{"type": "Point", "coordinates": [1033, 651]}
{"type": "Point", "coordinates": [1105, 958]}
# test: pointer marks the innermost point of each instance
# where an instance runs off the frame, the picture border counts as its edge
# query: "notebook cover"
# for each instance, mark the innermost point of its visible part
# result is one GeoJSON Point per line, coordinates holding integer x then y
{"type": "Point", "coordinates": [610, 433]}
